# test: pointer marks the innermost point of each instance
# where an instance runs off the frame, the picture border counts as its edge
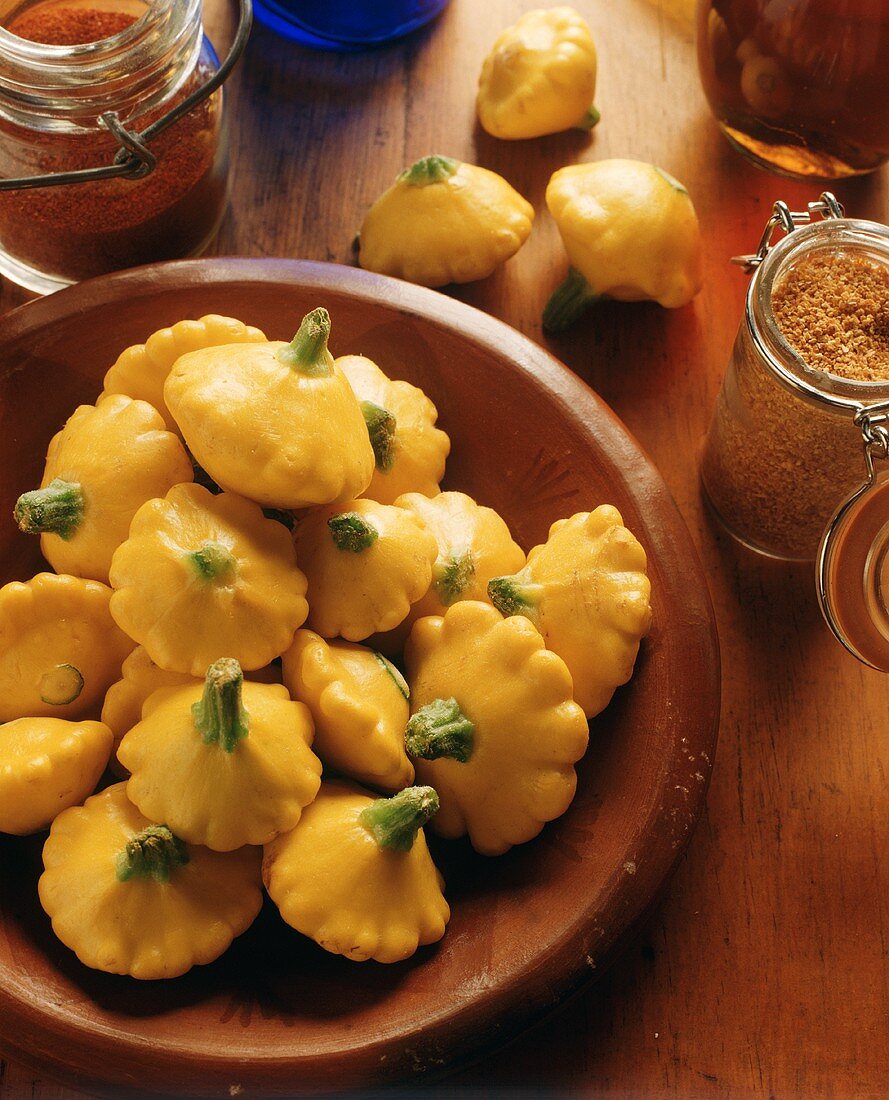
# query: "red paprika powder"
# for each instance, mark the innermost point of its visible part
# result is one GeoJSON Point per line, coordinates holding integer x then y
{"type": "Point", "coordinates": [64, 234]}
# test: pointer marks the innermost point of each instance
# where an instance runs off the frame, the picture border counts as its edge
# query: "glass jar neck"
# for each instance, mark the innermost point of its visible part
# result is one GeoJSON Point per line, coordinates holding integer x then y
{"type": "Point", "coordinates": [66, 88]}
{"type": "Point", "coordinates": [864, 238]}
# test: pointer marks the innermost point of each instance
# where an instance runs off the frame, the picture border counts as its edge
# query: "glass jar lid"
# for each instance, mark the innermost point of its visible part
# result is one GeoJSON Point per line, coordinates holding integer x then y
{"type": "Point", "coordinates": [852, 575]}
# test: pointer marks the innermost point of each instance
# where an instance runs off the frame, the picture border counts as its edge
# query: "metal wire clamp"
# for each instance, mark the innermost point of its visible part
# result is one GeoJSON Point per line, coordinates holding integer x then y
{"type": "Point", "coordinates": [783, 218]}
{"type": "Point", "coordinates": [135, 160]}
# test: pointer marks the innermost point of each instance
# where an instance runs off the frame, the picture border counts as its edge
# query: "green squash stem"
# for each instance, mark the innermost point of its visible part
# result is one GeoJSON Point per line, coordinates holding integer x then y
{"type": "Point", "coordinates": [511, 597]}
{"type": "Point", "coordinates": [432, 169]}
{"type": "Point", "coordinates": [213, 562]}
{"type": "Point", "coordinates": [381, 425]}
{"type": "Point", "coordinates": [352, 532]}
{"type": "Point", "coordinates": [60, 685]}
{"type": "Point", "coordinates": [568, 302]}
{"type": "Point", "coordinates": [56, 509]}
{"type": "Point", "coordinates": [154, 853]}
{"type": "Point", "coordinates": [394, 822]}
{"type": "Point", "coordinates": [590, 119]}
{"type": "Point", "coordinates": [220, 716]}
{"type": "Point", "coordinates": [440, 729]}
{"type": "Point", "coordinates": [451, 576]}
{"type": "Point", "coordinates": [307, 353]}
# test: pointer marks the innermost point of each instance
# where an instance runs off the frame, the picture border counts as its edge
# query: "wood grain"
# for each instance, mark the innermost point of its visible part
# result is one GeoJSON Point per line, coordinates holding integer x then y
{"type": "Point", "coordinates": [765, 972]}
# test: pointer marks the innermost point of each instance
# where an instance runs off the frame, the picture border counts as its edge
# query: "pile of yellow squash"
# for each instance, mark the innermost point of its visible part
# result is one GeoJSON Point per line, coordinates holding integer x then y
{"type": "Point", "coordinates": [300, 651]}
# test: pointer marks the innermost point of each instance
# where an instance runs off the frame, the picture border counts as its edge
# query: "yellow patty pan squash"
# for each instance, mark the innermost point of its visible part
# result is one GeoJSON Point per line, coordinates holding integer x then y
{"type": "Point", "coordinates": [442, 222]}
{"type": "Point", "coordinates": [223, 763]}
{"type": "Point", "coordinates": [141, 370]}
{"type": "Point", "coordinates": [493, 726]}
{"type": "Point", "coordinates": [141, 677]}
{"type": "Point", "coordinates": [204, 576]}
{"type": "Point", "coordinates": [540, 77]}
{"type": "Point", "coordinates": [122, 709]}
{"type": "Point", "coordinates": [276, 422]}
{"type": "Point", "coordinates": [365, 563]}
{"type": "Point", "coordinates": [409, 451]}
{"type": "Point", "coordinates": [474, 545]}
{"type": "Point", "coordinates": [587, 592]}
{"type": "Point", "coordinates": [359, 704]}
{"type": "Point", "coordinates": [129, 897]}
{"type": "Point", "coordinates": [47, 765]}
{"type": "Point", "coordinates": [100, 469]}
{"type": "Point", "coordinates": [59, 647]}
{"type": "Point", "coordinates": [631, 233]}
{"type": "Point", "coordinates": [356, 876]}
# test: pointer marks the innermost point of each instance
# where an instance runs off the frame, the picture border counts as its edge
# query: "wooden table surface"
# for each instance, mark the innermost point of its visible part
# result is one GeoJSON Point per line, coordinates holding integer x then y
{"type": "Point", "coordinates": [765, 970]}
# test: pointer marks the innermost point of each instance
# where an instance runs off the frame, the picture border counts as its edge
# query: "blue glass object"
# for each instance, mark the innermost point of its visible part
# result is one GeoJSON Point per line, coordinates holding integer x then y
{"type": "Point", "coordinates": [346, 24]}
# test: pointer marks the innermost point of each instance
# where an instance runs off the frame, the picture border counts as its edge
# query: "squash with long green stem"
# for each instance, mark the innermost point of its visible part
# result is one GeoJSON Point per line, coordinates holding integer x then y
{"type": "Point", "coordinates": [493, 726]}
{"type": "Point", "coordinates": [276, 422]}
{"type": "Point", "coordinates": [59, 647]}
{"type": "Point", "coordinates": [128, 896]}
{"type": "Point", "coordinates": [631, 234]}
{"type": "Point", "coordinates": [223, 763]}
{"type": "Point", "coordinates": [356, 875]}
{"type": "Point", "coordinates": [204, 576]}
{"type": "Point", "coordinates": [106, 462]}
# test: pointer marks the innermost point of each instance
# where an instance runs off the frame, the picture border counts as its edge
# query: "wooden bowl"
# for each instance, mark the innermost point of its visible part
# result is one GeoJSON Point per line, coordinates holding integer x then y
{"type": "Point", "coordinates": [277, 1014]}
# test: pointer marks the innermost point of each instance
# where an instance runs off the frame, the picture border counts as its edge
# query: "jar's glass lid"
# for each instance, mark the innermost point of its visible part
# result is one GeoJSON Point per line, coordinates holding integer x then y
{"type": "Point", "coordinates": [853, 573]}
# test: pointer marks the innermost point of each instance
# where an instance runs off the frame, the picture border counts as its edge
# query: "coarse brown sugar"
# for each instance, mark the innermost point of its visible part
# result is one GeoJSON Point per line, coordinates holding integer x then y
{"type": "Point", "coordinates": [776, 464]}
{"type": "Point", "coordinates": [834, 310]}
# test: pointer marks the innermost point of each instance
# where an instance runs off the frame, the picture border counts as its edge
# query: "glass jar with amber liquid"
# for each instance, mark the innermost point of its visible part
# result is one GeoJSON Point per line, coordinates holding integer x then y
{"type": "Point", "coordinates": [799, 86]}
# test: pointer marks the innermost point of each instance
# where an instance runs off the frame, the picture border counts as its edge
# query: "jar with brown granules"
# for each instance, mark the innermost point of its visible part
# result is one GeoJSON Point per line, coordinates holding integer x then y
{"type": "Point", "coordinates": [799, 425]}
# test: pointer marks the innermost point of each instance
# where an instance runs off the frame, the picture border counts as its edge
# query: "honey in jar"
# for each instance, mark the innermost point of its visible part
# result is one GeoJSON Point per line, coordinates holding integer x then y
{"type": "Point", "coordinates": [799, 86]}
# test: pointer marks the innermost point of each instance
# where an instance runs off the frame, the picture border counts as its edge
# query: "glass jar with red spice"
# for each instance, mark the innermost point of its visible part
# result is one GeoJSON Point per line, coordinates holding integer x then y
{"type": "Point", "coordinates": [81, 81]}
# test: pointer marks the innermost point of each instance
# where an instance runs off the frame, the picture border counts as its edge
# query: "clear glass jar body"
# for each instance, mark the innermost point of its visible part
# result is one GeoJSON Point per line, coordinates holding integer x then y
{"type": "Point", "coordinates": [783, 450]}
{"type": "Point", "coordinates": [51, 98]}
{"type": "Point", "coordinates": [799, 85]}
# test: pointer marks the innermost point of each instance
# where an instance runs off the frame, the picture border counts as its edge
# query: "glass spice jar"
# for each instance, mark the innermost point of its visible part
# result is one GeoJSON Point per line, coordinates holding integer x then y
{"type": "Point", "coordinates": [80, 82]}
{"type": "Point", "coordinates": [799, 86]}
{"type": "Point", "coordinates": [793, 463]}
